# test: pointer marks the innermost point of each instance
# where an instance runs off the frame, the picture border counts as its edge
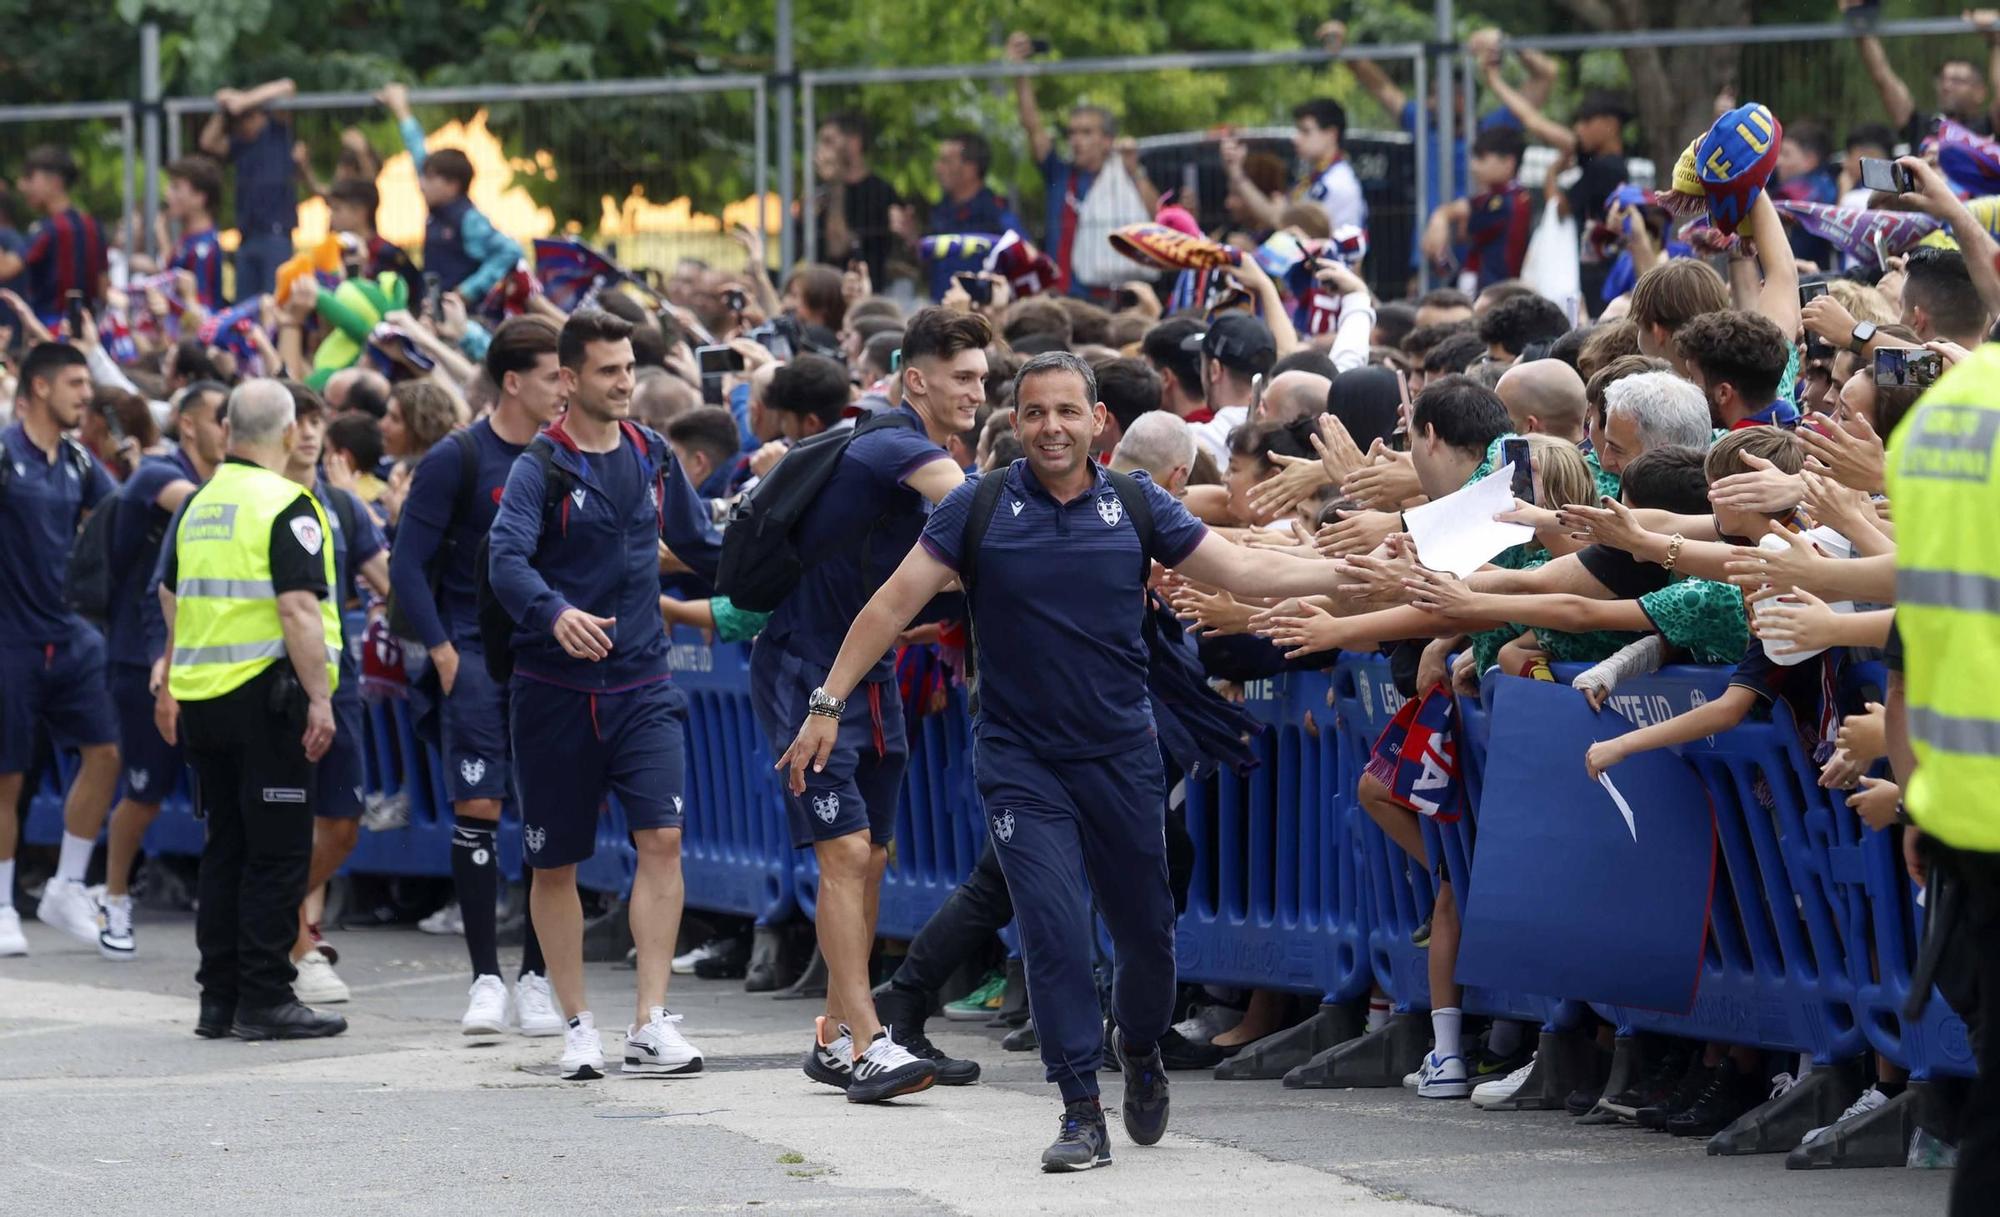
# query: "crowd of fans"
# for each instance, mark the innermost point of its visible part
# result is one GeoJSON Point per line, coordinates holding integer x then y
{"type": "Point", "coordinates": [1705, 421]}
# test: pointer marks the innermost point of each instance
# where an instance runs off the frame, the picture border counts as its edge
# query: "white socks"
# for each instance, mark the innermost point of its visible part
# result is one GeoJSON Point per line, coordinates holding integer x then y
{"type": "Point", "coordinates": [1444, 1026]}
{"type": "Point", "coordinates": [75, 857]}
{"type": "Point", "coordinates": [7, 884]}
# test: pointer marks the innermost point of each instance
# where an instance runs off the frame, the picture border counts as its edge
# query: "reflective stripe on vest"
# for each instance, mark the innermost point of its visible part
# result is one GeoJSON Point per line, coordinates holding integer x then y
{"type": "Point", "coordinates": [226, 624]}
{"type": "Point", "coordinates": [1942, 479]}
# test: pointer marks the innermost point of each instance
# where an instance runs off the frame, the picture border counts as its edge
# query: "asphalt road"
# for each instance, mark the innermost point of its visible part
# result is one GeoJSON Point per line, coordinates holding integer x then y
{"type": "Point", "coordinates": [112, 1106]}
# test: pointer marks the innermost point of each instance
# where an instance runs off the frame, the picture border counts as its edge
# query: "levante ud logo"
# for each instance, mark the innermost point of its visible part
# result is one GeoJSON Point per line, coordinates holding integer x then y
{"type": "Point", "coordinates": [1110, 510]}
{"type": "Point", "coordinates": [1003, 826]}
{"type": "Point", "coordinates": [826, 807]}
{"type": "Point", "coordinates": [535, 838]}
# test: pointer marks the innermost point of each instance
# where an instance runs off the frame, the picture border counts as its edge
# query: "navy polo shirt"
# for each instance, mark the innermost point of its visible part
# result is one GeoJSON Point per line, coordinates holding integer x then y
{"type": "Point", "coordinates": [43, 504]}
{"type": "Point", "coordinates": [140, 518]}
{"type": "Point", "coordinates": [1059, 610]}
{"type": "Point", "coordinates": [860, 528]}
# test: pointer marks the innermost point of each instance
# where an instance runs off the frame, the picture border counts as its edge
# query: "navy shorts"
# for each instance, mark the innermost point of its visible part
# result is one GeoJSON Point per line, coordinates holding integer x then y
{"type": "Point", "coordinates": [573, 750]}
{"type": "Point", "coordinates": [857, 790]}
{"type": "Point", "coordinates": [342, 774]}
{"type": "Point", "coordinates": [63, 685]}
{"type": "Point", "coordinates": [153, 767]}
{"type": "Point", "coordinates": [473, 731]}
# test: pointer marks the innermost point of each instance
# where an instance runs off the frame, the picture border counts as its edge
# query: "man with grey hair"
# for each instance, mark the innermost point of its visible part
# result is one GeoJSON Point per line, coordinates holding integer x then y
{"type": "Point", "coordinates": [1054, 554]}
{"type": "Point", "coordinates": [661, 397]}
{"type": "Point", "coordinates": [1652, 410]}
{"type": "Point", "coordinates": [1093, 137]}
{"type": "Point", "coordinates": [1163, 446]}
{"type": "Point", "coordinates": [253, 636]}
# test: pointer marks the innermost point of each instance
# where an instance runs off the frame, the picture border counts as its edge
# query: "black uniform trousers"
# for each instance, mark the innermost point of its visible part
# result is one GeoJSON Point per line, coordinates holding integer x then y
{"type": "Point", "coordinates": [255, 787]}
{"type": "Point", "coordinates": [1976, 1181]}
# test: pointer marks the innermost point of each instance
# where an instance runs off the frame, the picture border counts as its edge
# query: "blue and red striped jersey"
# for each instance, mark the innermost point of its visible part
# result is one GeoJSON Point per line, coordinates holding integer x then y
{"type": "Point", "coordinates": [65, 254]}
{"type": "Point", "coordinates": [200, 253]}
{"type": "Point", "coordinates": [1497, 232]}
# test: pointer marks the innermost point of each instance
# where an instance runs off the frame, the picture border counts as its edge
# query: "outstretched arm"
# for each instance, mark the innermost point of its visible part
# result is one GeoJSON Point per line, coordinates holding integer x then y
{"type": "Point", "coordinates": [1896, 100]}
{"type": "Point", "coordinates": [1712, 718]}
{"type": "Point", "coordinates": [1040, 143]}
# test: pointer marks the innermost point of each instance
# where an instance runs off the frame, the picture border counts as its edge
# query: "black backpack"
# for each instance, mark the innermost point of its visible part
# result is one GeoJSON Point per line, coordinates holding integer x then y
{"type": "Point", "coordinates": [496, 624]}
{"type": "Point", "coordinates": [986, 500]}
{"type": "Point", "coordinates": [468, 485]}
{"type": "Point", "coordinates": [761, 563]}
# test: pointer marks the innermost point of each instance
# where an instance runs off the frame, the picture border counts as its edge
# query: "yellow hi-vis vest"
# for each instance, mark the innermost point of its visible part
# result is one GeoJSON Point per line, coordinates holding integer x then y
{"type": "Point", "coordinates": [1944, 484]}
{"type": "Point", "coordinates": [226, 627]}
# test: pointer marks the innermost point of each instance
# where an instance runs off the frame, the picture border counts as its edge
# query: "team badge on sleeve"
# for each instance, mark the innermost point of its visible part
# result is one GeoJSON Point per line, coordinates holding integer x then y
{"type": "Point", "coordinates": [307, 530]}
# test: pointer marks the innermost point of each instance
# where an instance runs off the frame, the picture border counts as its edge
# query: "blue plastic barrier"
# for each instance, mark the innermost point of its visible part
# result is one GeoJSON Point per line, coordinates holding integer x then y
{"type": "Point", "coordinates": [736, 848]}
{"type": "Point", "coordinates": [1276, 899]}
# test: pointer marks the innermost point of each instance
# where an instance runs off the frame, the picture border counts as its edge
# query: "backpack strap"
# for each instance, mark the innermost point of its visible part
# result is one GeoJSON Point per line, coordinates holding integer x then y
{"type": "Point", "coordinates": [985, 501]}
{"type": "Point", "coordinates": [555, 483]}
{"type": "Point", "coordinates": [1140, 509]}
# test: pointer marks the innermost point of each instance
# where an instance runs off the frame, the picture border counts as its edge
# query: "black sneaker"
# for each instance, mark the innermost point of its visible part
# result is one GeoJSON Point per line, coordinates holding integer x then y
{"type": "Point", "coordinates": [1083, 1141]}
{"type": "Point", "coordinates": [1421, 936]}
{"type": "Point", "coordinates": [1487, 1064]}
{"type": "Point", "coordinates": [290, 1021]}
{"type": "Point", "coordinates": [1177, 1051]}
{"type": "Point", "coordinates": [950, 1070]}
{"type": "Point", "coordinates": [1580, 1102]}
{"type": "Point", "coordinates": [1692, 1083]}
{"type": "Point", "coordinates": [1728, 1095]}
{"type": "Point", "coordinates": [1021, 1039]}
{"type": "Point", "coordinates": [887, 1071]}
{"type": "Point", "coordinates": [1145, 1093]}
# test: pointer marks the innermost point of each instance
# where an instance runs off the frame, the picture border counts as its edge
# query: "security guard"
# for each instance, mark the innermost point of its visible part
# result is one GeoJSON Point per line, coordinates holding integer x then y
{"type": "Point", "coordinates": [1065, 748]}
{"type": "Point", "coordinates": [1944, 716]}
{"type": "Point", "coordinates": [254, 641]}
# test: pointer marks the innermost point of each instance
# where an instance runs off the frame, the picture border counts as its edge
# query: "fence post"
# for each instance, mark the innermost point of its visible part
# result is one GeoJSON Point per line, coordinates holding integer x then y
{"type": "Point", "coordinates": [761, 175]}
{"type": "Point", "coordinates": [1447, 158]}
{"type": "Point", "coordinates": [1422, 136]}
{"type": "Point", "coordinates": [787, 131]}
{"type": "Point", "coordinates": [809, 202]}
{"type": "Point", "coordinates": [149, 103]}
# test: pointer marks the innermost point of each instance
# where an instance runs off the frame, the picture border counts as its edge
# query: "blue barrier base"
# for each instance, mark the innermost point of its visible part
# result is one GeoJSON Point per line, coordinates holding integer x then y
{"type": "Point", "coordinates": [1775, 1127]}
{"type": "Point", "coordinates": [1276, 1055]}
{"type": "Point", "coordinates": [1375, 1061]}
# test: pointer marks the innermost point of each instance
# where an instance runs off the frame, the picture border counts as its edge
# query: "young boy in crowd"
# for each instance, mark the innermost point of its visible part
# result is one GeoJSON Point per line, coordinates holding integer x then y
{"type": "Point", "coordinates": [66, 251]}
{"type": "Point", "coordinates": [461, 246]}
{"type": "Point", "coordinates": [1496, 220]}
{"type": "Point", "coordinates": [351, 206]}
{"type": "Point", "coordinates": [258, 144]}
{"type": "Point", "coordinates": [194, 187]}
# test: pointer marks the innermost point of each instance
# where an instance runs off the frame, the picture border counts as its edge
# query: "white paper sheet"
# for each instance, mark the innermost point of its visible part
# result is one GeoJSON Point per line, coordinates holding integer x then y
{"type": "Point", "coordinates": [1458, 533]}
{"type": "Point", "coordinates": [1624, 808]}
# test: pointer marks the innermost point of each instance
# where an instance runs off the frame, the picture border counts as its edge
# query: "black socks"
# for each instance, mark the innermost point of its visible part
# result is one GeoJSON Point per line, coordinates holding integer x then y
{"type": "Point", "coordinates": [475, 868]}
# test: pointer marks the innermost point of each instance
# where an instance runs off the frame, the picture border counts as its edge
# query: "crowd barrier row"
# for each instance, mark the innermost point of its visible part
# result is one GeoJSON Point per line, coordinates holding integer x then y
{"type": "Point", "coordinates": [1813, 926]}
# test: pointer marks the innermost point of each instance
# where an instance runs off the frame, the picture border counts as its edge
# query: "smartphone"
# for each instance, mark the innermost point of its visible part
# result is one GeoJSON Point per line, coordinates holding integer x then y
{"type": "Point", "coordinates": [73, 312]}
{"type": "Point", "coordinates": [980, 290]}
{"type": "Point", "coordinates": [1878, 174]}
{"type": "Point", "coordinates": [1816, 347]}
{"type": "Point", "coordinates": [1907, 368]}
{"type": "Point", "coordinates": [734, 300]}
{"type": "Point", "coordinates": [1041, 46]}
{"type": "Point", "coordinates": [1514, 451]}
{"type": "Point", "coordinates": [716, 360]}
{"type": "Point", "coordinates": [433, 296]}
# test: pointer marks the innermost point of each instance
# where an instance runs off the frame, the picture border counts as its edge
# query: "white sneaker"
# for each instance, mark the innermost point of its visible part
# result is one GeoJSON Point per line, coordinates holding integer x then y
{"type": "Point", "coordinates": [386, 812]}
{"type": "Point", "coordinates": [1871, 1099]}
{"type": "Point", "coordinates": [886, 1070]}
{"type": "Point", "coordinates": [583, 1052]}
{"type": "Point", "coordinates": [317, 983]}
{"type": "Point", "coordinates": [1499, 1090]}
{"type": "Point", "coordinates": [1207, 1022]}
{"type": "Point", "coordinates": [447, 920]}
{"type": "Point", "coordinates": [831, 1064]}
{"type": "Point", "coordinates": [659, 1046]}
{"type": "Point", "coordinates": [67, 906]}
{"type": "Point", "coordinates": [115, 940]}
{"type": "Point", "coordinates": [12, 941]}
{"type": "Point", "coordinates": [535, 1007]}
{"type": "Point", "coordinates": [486, 1013]}
{"type": "Point", "coordinates": [684, 964]}
{"type": "Point", "coordinates": [1443, 1079]}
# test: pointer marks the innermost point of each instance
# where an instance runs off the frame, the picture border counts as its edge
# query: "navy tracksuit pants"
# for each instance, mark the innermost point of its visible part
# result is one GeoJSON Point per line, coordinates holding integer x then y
{"type": "Point", "coordinates": [1058, 824]}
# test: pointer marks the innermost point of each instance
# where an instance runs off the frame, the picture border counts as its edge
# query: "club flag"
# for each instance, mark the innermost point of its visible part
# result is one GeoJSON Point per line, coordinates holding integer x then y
{"type": "Point", "coordinates": [1853, 230]}
{"type": "Point", "coordinates": [1568, 898]}
{"type": "Point", "coordinates": [1971, 162]}
{"type": "Point", "coordinates": [569, 270]}
{"type": "Point", "coordinates": [1416, 757]}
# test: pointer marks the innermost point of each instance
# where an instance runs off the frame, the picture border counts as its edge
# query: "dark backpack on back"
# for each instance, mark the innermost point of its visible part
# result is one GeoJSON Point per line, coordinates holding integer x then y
{"type": "Point", "coordinates": [761, 562]}
{"type": "Point", "coordinates": [468, 485]}
{"type": "Point", "coordinates": [496, 624]}
{"type": "Point", "coordinates": [986, 500]}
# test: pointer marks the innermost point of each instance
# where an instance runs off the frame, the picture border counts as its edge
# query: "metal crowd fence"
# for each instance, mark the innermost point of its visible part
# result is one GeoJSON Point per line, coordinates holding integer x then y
{"type": "Point", "coordinates": [650, 170]}
{"type": "Point", "coordinates": [1177, 107]}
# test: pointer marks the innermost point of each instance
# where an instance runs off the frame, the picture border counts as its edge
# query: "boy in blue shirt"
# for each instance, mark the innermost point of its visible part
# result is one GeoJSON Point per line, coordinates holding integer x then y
{"type": "Point", "coordinates": [194, 187]}
{"type": "Point", "coordinates": [461, 246]}
{"type": "Point", "coordinates": [258, 143]}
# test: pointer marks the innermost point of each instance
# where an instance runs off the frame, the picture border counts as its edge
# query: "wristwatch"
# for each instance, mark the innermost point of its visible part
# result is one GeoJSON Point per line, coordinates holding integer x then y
{"type": "Point", "coordinates": [1863, 332]}
{"type": "Point", "coordinates": [825, 704]}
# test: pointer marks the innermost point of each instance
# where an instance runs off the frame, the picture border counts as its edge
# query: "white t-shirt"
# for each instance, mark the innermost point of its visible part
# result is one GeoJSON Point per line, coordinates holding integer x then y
{"type": "Point", "coordinates": [1337, 191]}
{"type": "Point", "coordinates": [1214, 434]}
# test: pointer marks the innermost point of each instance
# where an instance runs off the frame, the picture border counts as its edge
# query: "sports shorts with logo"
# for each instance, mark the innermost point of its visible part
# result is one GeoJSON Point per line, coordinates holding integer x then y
{"type": "Point", "coordinates": [864, 773]}
{"type": "Point", "coordinates": [473, 731]}
{"type": "Point", "coordinates": [61, 685]}
{"type": "Point", "coordinates": [574, 750]}
{"type": "Point", "coordinates": [151, 767]}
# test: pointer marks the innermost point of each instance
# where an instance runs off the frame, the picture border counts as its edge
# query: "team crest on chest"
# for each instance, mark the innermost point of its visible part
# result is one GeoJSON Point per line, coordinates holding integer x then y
{"type": "Point", "coordinates": [1003, 826]}
{"type": "Point", "coordinates": [826, 806]}
{"type": "Point", "coordinates": [1110, 510]}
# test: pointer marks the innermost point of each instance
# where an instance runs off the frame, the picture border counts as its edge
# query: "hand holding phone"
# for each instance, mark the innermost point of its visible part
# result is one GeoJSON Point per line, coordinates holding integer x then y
{"type": "Point", "coordinates": [717, 360]}
{"type": "Point", "coordinates": [73, 313]}
{"type": "Point", "coordinates": [1514, 451]}
{"type": "Point", "coordinates": [978, 288]}
{"type": "Point", "coordinates": [1885, 176]}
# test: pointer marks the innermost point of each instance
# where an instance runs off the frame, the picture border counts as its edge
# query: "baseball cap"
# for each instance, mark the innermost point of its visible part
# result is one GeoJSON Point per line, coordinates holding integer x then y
{"type": "Point", "coordinates": [1236, 340]}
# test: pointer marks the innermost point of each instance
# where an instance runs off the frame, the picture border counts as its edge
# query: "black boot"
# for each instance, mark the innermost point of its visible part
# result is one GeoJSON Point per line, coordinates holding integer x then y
{"type": "Point", "coordinates": [1692, 1083]}
{"type": "Point", "coordinates": [902, 1012]}
{"type": "Point", "coordinates": [1728, 1095]}
{"type": "Point", "coordinates": [215, 1017]}
{"type": "Point", "coordinates": [290, 1021]}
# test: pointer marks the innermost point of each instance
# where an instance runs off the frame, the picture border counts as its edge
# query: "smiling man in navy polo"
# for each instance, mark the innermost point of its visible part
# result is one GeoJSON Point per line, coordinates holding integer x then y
{"type": "Point", "coordinates": [1055, 552]}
